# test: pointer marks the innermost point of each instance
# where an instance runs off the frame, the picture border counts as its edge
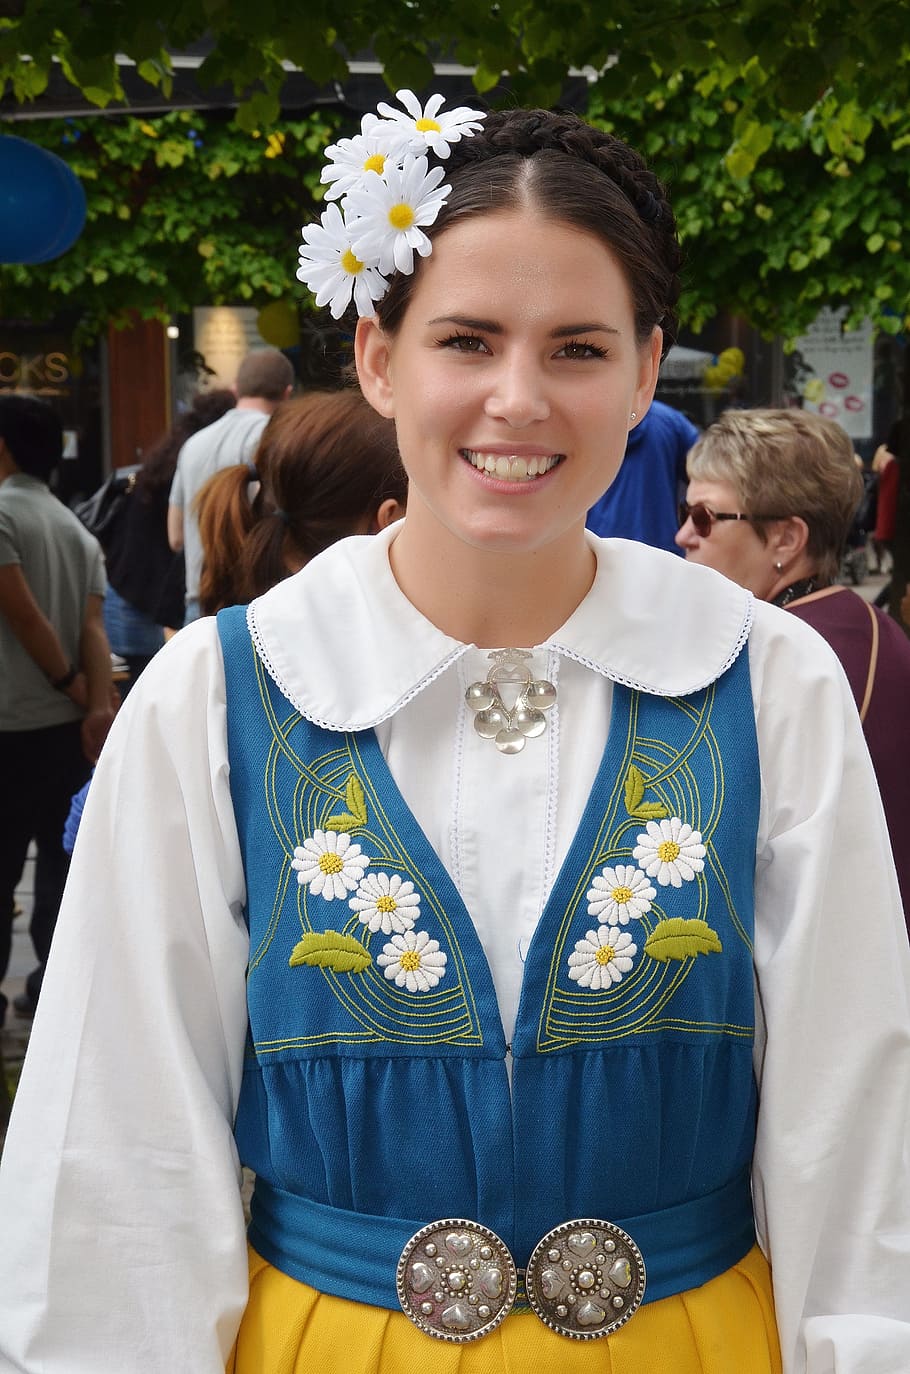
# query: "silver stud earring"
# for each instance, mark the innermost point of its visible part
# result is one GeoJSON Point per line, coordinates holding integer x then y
{"type": "Point", "coordinates": [778, 566]}
{"type": "Point", "coordinates": [633, 415]}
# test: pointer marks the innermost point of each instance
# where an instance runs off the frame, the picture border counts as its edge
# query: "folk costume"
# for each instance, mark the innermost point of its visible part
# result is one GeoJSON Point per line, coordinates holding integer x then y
{"type": "Point", "coordinates": [649, 958]}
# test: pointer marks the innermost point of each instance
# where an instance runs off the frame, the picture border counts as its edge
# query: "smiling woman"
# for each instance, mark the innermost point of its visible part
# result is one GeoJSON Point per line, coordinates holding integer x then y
{"type": "Point", "coordinates": [473, 885]}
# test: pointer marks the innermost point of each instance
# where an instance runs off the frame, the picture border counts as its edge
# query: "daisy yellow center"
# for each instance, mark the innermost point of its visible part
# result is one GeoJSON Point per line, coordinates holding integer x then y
{"type": "Point", "coordinates": [425, 126]}
{"type": "Point", "coordinates": [375, 163]}
{"type": "Point", "coordinates": [605, 954]}
{"type": "Point", "coordinates": [621, 895]}
{"type": "Point", "coordinates": [668, 851]}
{"type": "Point", "coordinates": [350, 263]}
{"type": "Point", "coordinates": [401, 216]}
{"type": "Point", "coordinates": [386, 904]}
{"type": "Point", "coordinates": [330, 863]}
{"type": "Point", "coordinates": [410, 960]}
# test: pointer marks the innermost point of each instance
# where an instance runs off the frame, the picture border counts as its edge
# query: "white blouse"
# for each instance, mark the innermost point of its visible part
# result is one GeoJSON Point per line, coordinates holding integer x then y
{"type": "Point", "coordinates": [123, 1245]}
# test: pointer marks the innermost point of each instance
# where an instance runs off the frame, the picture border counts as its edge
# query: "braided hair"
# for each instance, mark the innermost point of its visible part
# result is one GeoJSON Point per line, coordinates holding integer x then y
{"type": "Point", "coordinates": [539, 160]}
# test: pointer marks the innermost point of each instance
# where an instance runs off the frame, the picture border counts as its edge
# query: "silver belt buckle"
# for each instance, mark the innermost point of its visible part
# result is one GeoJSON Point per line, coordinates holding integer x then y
{"type": "Point", "coordinates": [456, 1280]}
{"type": "Point", "coordinates": [585, 1279]}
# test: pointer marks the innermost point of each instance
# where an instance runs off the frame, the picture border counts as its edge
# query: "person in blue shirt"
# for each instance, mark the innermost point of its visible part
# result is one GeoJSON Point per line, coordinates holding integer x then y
{"type": "Point", "coordinates": [642, 502]}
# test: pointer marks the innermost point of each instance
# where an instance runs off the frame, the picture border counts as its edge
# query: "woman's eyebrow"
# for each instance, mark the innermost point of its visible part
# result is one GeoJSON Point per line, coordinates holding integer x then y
{"type": "Point", "coordinates": [565, 331]}
{"type": "Point", "coordinates": [466, 322]}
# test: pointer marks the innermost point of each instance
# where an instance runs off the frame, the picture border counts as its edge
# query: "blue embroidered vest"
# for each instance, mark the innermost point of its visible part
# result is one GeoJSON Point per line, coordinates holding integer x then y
{"type": "Point", "coordinates": [376, 1096]}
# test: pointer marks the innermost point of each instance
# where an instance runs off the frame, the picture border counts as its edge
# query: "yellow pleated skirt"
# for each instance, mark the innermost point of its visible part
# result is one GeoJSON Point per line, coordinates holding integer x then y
{"type": "Point", "coordinates": [725, 1327]}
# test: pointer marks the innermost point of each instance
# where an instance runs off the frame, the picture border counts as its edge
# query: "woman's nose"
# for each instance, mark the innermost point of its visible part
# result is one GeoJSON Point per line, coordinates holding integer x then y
{"type": "Point", "coordinates": [685, 536]}
{"type": "Point", "coordinates": [517, 395]}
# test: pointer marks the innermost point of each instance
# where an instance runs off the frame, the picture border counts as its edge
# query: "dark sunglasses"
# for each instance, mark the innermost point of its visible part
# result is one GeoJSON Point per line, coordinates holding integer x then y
{"type": "Point", "coordinates": [703, 517]}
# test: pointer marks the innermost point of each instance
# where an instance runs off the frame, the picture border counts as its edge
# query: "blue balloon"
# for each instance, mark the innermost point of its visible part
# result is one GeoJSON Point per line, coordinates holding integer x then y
{"type": "Point", "coordinates": [42, 203]}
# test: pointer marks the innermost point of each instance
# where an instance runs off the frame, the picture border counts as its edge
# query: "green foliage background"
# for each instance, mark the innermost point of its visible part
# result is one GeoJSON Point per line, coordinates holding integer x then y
{"type": "Point", "coordinates": [779, 216]}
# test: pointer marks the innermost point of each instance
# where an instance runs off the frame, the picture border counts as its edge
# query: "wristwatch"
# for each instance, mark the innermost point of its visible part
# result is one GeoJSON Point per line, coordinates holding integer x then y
{"type": "Point", "coordinates": [61, 684]}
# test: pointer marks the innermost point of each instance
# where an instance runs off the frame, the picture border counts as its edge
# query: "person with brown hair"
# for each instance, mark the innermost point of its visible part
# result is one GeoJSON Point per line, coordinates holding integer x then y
{"type": "Point", "coordinates": [771, 498]}
{"type": "Point", "coordinates": [265, 378]}
{"type": "Point", "coordinates": [516, 904]}
{"type": "Point", "coordinates": [327, 466]}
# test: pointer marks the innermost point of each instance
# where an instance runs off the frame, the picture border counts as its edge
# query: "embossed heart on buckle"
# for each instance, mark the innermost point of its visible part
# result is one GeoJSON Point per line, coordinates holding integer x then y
{"type": "Point", "coordinates": [422, 1277]}
{"type": "Point", "coordinates": [458, 1243]}
{"type": "Point", "coordinates": [589, 1314]}
{"type": "Point", "coordinates": [582, 1244]}
{"type": "Point", "coordinates": [621, 1273]}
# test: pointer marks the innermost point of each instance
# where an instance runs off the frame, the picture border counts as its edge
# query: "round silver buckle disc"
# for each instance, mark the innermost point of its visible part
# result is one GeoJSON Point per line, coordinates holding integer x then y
{"type": "Point", "coordinates": [585, 1279]}
{"type": "Point", "coordinates": [456, 1280]}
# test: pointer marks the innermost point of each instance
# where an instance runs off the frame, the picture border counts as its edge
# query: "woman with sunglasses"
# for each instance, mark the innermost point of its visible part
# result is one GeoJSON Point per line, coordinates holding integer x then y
{"type": "Point", "coordinates": [490, 889]}
{"type": "Point", "coordinates": [771, 497]}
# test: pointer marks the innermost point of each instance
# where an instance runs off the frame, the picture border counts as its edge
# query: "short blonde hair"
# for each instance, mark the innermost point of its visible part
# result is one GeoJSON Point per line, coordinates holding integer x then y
{"type": "Point", "coordinates": [786, 462]}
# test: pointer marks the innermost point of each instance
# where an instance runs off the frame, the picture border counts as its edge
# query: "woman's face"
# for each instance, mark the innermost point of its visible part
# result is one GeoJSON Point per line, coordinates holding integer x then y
{"type": "Point", "coordinates": [732, 547]}
{"type": "Point", "coordinates": [511, 380]}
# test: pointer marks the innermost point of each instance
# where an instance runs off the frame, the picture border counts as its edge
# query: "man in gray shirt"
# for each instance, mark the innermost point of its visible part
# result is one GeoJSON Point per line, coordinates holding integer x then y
{"type": "Point", "coordinates": [264, 379]}
{"type": "Point", "coordinates": [55, 669]}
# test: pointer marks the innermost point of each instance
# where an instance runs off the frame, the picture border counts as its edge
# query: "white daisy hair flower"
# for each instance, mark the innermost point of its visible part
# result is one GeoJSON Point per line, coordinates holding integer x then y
{"type": "Point", "coordinates": [386, 214]}
{"type": "Point", "coordinates": [371, 150]}
{"type": "Point", "coordinates": [333, 271]}
{"type": "Point", "coordinates": [602, 958]}
{"type": "Point", "coordinates": [429, 126]}
{"type": "Point", "coordinates": [386, 902]}
{"type": "Point", "coordinates": [619, 894]}
{"type": "Point", "coordinates": [671, 851]}
{"type": "Point", "coordinates": [413, 961]}
{"type": "Point", "coordinates": [388, 196]}
{"type": "Point", "coordinates": [329, 864]}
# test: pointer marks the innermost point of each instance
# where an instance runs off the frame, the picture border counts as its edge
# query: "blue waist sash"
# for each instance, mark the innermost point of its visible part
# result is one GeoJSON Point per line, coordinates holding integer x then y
{"type": "Point", "coordinates": [354, 1256]}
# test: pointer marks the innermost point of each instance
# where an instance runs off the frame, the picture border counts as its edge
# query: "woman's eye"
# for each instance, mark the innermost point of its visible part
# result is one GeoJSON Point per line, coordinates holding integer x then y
{"type": "Point", "coordinates": [575, 349]}
{"type": "Point", "coordinates": [464, 343]}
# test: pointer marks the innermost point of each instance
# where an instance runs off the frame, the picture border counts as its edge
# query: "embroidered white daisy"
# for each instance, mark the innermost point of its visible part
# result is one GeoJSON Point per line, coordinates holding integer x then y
{"type": "Point", "coordinates": [413, 960]}
{"type": "Point", "coordinates": [333, 272]}
{"type": "Point", "coordinates": [602, 957]}
{"type": "Point", "coordinates": [386, 902]}
{"type": "Point", "coordinates": [385, 214]}
{"type": "Point", "coordinates": [429, 126]}
{"type": "Point", "coordinates": [329, 864]}
{"type": "Point", "coordinates": [617, 894]}
{"type": "Point", "coordinates": [671, 852]}
{"type": "Point", "coordinates": [377, 144]}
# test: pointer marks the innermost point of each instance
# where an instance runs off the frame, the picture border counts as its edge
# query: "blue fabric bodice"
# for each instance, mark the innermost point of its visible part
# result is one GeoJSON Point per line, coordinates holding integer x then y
{"type": "Point", "coordinates": [627, 1097]}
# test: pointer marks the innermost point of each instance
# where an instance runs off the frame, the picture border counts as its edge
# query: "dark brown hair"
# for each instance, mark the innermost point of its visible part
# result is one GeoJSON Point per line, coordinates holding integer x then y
{"type": "Point", "coordinates": [574, 174]}
{"type": "Point", "coordinates": [325, 464]}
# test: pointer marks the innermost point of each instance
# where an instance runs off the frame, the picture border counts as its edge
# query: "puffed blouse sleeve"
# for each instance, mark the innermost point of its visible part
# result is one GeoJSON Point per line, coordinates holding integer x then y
{"type": "Point", "coordinates": [831, 1174]}
{"type": "Point", "coordinates": [123, 1233]}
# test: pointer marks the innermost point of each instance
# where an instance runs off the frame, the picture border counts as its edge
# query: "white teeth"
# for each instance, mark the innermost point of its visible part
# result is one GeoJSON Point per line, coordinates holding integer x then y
{"type": "Point", "coordinates": [510, 469]}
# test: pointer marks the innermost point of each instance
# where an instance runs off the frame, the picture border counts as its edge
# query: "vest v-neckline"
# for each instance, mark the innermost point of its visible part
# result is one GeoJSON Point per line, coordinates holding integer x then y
{"type": "Point", "coordinates": [385, 795]}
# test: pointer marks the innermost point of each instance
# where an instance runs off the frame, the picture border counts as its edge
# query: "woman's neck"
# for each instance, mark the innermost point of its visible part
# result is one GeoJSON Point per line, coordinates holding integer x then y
{"type": "Point", "coordinates": [492, 599]}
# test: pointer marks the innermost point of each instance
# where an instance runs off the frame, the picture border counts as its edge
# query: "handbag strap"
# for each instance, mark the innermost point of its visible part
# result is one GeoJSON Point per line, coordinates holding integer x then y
{"type": "Point", "coordinates": [873, 662]}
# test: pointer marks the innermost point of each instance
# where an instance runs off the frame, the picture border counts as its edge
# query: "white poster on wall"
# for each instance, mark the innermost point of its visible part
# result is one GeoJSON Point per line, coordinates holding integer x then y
{"type": "Point", "coordinates": [836, 377]}
{"type": "Point", "coordinates": [224, 334]}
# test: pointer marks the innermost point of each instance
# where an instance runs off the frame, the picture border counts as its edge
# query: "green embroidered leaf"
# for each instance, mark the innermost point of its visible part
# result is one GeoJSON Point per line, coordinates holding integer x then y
{"type": "Point", "coordinates": [635, 788]}
{"type": "Point", "coordinates": [681, 939]}
{"type": "Point", "coordinates": [329, 949]}
{"type": "Point", "coordinates": [650, 811]}
{"type": "Point", "coordinates": [355, 799]}
{"type": "Point", "coordinates": [343, 821]}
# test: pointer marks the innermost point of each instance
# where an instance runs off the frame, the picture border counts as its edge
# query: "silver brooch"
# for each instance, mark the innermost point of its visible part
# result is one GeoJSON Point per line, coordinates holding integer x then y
{"type": "Point", "coordinates": [508, 727]}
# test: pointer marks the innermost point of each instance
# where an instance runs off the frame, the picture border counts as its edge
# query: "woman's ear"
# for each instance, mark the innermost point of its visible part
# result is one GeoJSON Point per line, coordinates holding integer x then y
{"type": "Point", "coordinates": [788, 538]}
{"type": "Point", "coordinates": [374, 366]}
{"type": "Point", "coordinates": [649, 367]}
{"type": "Point", "coordinates": [389, 511]}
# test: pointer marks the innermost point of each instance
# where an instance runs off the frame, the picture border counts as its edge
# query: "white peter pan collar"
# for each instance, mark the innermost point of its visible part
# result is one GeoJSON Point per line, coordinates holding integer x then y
{"type": "Point", "coordinates": [348, 650]}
